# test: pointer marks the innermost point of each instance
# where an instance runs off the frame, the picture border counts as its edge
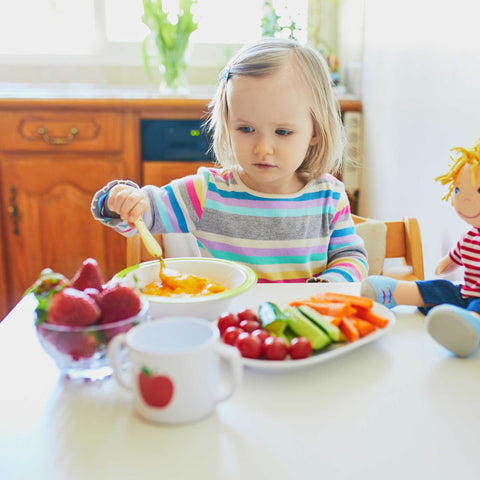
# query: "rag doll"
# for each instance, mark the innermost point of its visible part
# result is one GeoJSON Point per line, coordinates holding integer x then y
{"type": "Point", "coordinates": [453, 311]}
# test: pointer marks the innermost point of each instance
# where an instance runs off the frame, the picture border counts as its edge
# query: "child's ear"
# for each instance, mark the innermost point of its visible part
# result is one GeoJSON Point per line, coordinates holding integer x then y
{"type": "Point", "coordinates": [314, 140]}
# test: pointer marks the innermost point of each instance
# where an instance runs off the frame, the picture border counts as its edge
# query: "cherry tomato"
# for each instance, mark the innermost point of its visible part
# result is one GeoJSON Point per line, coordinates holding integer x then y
{"type": "Point", "coordinates": [226, 320]}
{"type": "Point", "coordinates": [300, 347]}
{"type": "Point", "coordinates": [247, 314]}
{"type": "Point", "coordinates": [249, 325]}
{"type": "Point", "coordinates": [231, 334]}
{"type": "Point", "coordinates": [275, 348]}
{"type": "Point", "coordinates": [249, 346]}
{"type": "Point", "coordinates": [261, 333]}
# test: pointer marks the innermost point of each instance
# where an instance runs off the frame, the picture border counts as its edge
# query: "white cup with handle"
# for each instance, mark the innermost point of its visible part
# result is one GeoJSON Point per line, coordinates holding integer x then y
{"type": "Point", "coordinates": [174, 370]}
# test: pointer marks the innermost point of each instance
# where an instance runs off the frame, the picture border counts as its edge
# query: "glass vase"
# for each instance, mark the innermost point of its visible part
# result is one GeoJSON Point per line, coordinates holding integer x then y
{"type": "Point", "coordinates": [174, 79]}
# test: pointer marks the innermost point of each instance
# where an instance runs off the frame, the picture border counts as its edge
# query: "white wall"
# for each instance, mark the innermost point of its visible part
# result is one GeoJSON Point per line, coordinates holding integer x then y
{"type": "Point", "coordinates": [421, 97]}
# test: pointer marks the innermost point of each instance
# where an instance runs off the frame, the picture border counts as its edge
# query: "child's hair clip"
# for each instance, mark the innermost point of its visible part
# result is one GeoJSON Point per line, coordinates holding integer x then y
{"type": "Point", "coordinates": [225, 74]}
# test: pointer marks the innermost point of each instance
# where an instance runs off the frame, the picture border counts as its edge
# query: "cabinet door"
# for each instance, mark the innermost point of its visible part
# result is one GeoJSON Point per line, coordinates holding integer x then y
{"type": "Point", "coordinates": [4, 305]}
{"type": "Point", "coordinates": [163, 172]}
{"type": "Point", "coordinates": [49, 221]}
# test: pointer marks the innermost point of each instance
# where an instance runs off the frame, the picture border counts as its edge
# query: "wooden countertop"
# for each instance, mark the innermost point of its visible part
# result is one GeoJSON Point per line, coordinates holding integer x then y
{"type": "Point", "coordinates": [142, 98]}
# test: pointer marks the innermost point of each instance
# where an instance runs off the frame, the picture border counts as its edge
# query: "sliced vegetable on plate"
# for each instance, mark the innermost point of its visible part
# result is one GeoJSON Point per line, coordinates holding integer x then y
{"type": "Point", "coordinates": [299, 334]}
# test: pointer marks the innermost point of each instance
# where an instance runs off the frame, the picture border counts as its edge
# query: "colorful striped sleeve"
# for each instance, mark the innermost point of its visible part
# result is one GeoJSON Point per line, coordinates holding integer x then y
{"type": "Point", "coordinates": [178, 206]}
{"type": "Point", "coordinates": [100, 213]}
{"type": "Point", "coordinates": [347, 258]}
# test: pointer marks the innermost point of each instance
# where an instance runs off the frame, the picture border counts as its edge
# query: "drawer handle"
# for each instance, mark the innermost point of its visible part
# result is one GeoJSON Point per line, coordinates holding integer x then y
{"type": "Point", "coordinates": [60, 140]}
{"type": "Point", "coordinates": [13, 210]}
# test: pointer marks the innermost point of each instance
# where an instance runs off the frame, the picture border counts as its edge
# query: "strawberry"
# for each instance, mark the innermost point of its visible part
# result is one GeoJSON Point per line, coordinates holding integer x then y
{"type": "Point", "coordinates": [93, 293]}
{"type": "Point", "coordinates": [118, 302]}
{"type": "Point", "coordinates": [76, 344]}
{"type": "Point", "coordinates": [73, 308]}
{"type": "Point", "coordinates": [47, 284]}
{"type": "Point", "coordinates": [88, 276]}
{"type": "Point", "coordinates": [115, 329]}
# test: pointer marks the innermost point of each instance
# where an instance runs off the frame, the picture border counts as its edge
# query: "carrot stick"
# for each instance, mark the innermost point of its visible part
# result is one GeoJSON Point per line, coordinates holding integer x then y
{"type": "Point", "coordinates": [372, 317]}
{"type": "Point", "coordinates": [334, 320]}
{"type": "Point", "coordinates": [361, 302]}
{"type": "Point", "coordinates": [349, 330]}
{"type": "Point", "coordinates": [331, 308]}
{"type": "Point", "coordinates": [364, 328]}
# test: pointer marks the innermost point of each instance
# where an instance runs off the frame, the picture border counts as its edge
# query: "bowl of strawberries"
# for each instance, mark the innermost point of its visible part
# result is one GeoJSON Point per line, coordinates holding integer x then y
{"type": "Point", "coordinates": [76, 319]}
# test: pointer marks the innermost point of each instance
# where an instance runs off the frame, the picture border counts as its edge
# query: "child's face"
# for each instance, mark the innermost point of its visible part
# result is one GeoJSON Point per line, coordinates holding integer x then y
{"type": "Point", "coordinates": [466, 197]}
{"type": "Point", "coordinates": [270, 128]}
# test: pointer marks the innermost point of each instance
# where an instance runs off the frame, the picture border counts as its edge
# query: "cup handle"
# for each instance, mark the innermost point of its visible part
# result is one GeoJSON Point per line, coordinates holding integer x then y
{"type": "Point", "coordinates": [232, 357]}
{"type": "Point", "coordinates": [114, 356]}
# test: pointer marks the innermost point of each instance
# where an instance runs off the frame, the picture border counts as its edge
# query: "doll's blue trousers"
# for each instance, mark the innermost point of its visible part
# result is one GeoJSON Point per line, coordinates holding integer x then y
{"type": "Point", "coordinates": [440, 292]}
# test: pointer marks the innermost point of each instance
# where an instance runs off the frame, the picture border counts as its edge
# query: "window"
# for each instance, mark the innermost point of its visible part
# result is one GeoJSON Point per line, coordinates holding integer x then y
{"type": "Point", "coordinates": [214, 17]}
{"type": "Point", "coordinates": [33, 27]}
{"type": "Point", "coordinates": [109, 32]}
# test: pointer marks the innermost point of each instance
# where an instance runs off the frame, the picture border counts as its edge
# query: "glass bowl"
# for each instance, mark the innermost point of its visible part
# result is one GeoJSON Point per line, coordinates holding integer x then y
{"type": "Point", "coordinates": [80, 353]}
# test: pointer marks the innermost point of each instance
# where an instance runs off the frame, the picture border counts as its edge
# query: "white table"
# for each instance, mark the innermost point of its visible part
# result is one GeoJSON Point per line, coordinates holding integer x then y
{"type": "Point", "coordinates": [399, 408]}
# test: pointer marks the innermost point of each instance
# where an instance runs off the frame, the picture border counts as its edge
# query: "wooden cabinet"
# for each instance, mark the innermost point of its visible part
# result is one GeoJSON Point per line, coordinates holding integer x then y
{"type": "Point", "coordinates": [4, 297]}
{"type": "Point", "coordinates": [161, 173]}
{"type": "Point", "coordinates": [51, 164]}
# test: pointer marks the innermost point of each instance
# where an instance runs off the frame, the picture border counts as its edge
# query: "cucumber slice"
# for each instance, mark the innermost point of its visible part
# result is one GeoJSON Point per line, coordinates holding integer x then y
{"type": "Point", "coordinates": [303, 327]}
{"type": "Point", "coordinates": [331, 330]}
{"type": "Point", "coordinates": [288, 334]}
{"type": "Point", "coordinates": [272, 318]}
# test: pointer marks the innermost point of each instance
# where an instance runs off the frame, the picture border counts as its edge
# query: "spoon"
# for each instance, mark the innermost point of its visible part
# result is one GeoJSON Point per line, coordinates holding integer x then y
{"type": "Point", "coordinates": [151, 244]}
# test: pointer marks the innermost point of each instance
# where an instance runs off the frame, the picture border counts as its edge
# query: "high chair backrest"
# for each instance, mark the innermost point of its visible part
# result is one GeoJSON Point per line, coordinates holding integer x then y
{"type": "Point", "coordinates": [173, 245]}
{"type": "Point", "coordinates": [402, 240]}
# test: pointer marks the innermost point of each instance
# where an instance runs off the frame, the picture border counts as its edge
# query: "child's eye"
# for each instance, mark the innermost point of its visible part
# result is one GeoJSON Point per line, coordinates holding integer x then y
{"type": "Point", "coordinates": [457, 190]}
{"type": "Point", "coordinates": [478, 191]}
{"type": "Point", "coordinates": [245, 129]}
{"type": "Point", "coordinates": [283, 132]}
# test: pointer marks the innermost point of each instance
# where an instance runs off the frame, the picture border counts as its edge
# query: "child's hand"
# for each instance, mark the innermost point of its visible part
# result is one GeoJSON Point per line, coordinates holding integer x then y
{"type": "Point", "coordinates": [129, 202]}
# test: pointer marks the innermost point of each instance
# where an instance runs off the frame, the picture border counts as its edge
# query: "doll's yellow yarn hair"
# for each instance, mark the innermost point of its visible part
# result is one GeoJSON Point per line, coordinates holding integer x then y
{"type": "Point", "coordinates": [463, 157]}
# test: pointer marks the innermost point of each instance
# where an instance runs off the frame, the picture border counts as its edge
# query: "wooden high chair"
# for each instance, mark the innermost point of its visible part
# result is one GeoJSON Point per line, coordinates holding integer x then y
{"type": "Point", "coordinates": [173, 245]}
{"type": "Point", "coordinates": [402, 241]}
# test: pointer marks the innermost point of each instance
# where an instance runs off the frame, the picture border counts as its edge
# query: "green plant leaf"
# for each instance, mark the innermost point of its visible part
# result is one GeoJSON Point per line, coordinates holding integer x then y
{"type": "Point", "coordinates": [170, 38]}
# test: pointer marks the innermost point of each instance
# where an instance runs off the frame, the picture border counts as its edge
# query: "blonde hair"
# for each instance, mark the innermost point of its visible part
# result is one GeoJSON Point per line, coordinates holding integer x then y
{"type": "Point", "coordinates": [265, 57]}
{"type": "Point", "coordinates": [464, 156]}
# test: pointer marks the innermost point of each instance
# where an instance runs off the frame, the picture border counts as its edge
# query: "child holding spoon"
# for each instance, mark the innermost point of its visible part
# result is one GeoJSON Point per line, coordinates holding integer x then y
{"type": "Point", "coordinates": [273, 203]}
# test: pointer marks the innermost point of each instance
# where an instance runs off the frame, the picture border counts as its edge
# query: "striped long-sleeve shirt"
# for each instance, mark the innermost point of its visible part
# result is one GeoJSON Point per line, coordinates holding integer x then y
{"type": "Point", "coordinates": [284, 238]}
{"type": "Point", "coordinates": [467, 254]}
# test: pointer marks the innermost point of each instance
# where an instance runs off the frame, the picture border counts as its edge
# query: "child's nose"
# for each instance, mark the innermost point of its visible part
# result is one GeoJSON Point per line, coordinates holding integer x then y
{"type": "Point", "coordinates": [263, 146]}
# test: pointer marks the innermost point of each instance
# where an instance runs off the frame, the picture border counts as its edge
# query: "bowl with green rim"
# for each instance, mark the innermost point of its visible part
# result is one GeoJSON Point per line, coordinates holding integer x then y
{"type": "Point", "coordinates": [235, 277]}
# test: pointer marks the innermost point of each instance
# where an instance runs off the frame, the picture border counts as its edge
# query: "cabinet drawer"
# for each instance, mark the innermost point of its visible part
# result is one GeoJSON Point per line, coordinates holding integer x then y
{"type": "Point", "coordinates": [60, 131]}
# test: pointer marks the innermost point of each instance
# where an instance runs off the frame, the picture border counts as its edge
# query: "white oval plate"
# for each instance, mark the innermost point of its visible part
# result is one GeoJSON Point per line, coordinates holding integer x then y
{"type": "Point", "coordinates": [332, 351]}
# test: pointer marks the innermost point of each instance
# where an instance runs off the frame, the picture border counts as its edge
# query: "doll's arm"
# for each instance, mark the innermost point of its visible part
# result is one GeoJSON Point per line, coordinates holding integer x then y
{"type": "Point", "coordinates": [445, 265]}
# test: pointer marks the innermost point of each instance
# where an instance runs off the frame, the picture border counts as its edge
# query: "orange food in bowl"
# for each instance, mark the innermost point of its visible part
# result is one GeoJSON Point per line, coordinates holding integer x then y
{"type": "Point", "coordinates": [173, 283]}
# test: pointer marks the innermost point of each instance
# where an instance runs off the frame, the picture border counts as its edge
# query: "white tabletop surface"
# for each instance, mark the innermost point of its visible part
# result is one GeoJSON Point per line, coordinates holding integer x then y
{"type": "Point", "coordinates": [398, 408]}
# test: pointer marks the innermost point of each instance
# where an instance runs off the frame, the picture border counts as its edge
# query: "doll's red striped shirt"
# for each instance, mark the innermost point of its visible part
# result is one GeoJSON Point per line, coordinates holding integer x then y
{"type": "Point", "coordinates": [467, 254]}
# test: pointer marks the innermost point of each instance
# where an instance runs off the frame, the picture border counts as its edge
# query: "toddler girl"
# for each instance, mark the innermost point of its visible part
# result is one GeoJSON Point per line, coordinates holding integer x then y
{"type": "Point", "coordinates": [272, 204]}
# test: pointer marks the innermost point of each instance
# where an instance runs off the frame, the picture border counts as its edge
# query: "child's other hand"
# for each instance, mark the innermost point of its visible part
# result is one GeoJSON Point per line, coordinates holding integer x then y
{"type": "Point", "coordinates": [129, 202]}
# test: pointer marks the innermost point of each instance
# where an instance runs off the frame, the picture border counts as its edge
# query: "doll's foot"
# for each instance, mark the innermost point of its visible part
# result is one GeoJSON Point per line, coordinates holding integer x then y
{"type": "Point", "coordinates": [380, 289]}
{"type": "Point", "coordinates": [455, 328]}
